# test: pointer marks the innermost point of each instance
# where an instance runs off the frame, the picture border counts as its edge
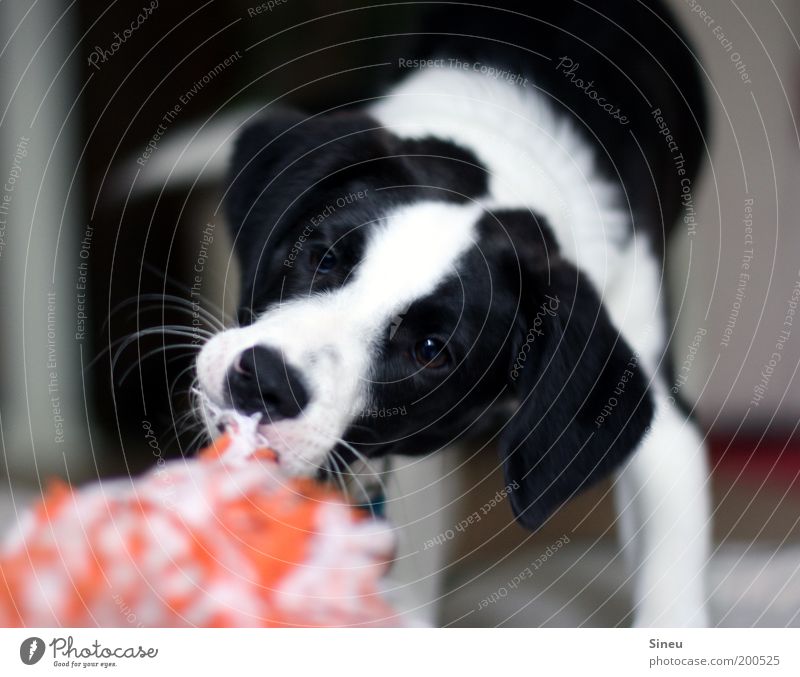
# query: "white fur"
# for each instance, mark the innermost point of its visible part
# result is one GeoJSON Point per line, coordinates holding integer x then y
{"type": "Point", "coordinates": [538, 161]}
{"type": "Point", "coordinates": [534, 158]}
{"type": "Point", "coordinates": [662, 493]}
{"type": "Point", "coordinates": [330, 337]}
{"type": "Point", "coordinates": [662, 497]}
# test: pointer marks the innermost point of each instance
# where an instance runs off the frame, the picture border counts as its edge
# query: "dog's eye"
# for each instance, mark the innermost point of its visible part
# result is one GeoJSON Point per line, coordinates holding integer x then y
{"type": "Point", "coordinates": [431, 353]}
{"type": "Point", "coordinates": [322, 261]}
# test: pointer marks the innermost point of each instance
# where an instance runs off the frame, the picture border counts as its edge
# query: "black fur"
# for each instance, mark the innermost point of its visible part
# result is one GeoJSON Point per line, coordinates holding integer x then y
{"type": "Point", "coordinates": [287, 168]}
{"type": "Point", "coordinates": [579, 397]}
{"type": "Point", "coordinates": [636, 56]}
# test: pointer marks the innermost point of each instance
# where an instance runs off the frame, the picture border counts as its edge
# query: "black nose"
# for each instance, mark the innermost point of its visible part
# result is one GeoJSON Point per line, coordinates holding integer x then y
{"type": "Point", "coordinates": [261, 381]}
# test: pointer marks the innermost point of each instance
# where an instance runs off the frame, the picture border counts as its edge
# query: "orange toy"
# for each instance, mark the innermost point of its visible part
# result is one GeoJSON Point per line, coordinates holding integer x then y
{"type": "Point", "coordinates": [222, 540]}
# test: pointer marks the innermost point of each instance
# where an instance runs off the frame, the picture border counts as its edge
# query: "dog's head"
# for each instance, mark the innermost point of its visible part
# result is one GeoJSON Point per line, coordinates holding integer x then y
{"type": "Point", "coordinates": [385, 308]}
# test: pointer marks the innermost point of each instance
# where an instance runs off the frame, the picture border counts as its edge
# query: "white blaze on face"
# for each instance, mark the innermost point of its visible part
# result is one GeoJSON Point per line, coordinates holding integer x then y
{"type": "Point", "coordinates": [330, 338]}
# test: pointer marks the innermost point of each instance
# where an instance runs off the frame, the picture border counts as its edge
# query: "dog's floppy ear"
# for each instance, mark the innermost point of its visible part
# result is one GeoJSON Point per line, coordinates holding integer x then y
{"type": "Point", "coordinates": [263, 149]}
{"type": "Point", "coordinates": [582, 403]}
{"type": "Point", "coordinates": [282, 162]}
{"type": "Point", "coordinates": [284, 153]}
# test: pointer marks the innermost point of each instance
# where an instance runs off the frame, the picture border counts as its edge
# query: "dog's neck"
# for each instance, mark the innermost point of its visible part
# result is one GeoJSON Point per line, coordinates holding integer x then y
{"type": "Point", "coordinates": [535, 158]}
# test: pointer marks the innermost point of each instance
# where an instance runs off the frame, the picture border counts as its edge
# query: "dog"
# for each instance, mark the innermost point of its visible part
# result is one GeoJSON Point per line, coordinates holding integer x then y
{"type": "Point", "coordinates": [479, 249]}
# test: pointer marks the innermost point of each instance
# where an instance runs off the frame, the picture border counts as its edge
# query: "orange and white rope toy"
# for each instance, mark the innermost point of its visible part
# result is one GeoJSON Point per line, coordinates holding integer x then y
{"type": "Point", "coordinates": [225, 539]}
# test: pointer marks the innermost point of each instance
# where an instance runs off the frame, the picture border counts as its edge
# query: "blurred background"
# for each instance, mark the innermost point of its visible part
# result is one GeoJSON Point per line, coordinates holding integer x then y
{"type": "Point", "coordinates": [114, 135]}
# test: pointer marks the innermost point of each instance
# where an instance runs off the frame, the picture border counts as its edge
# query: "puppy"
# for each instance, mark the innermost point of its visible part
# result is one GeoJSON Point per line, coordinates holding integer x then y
{"type": "Point", "coordinates": [480, 248]}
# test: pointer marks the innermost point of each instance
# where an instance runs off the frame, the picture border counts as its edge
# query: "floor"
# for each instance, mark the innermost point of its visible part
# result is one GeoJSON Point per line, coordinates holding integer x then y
{"type": "Point", "coordinates": [585, 586]}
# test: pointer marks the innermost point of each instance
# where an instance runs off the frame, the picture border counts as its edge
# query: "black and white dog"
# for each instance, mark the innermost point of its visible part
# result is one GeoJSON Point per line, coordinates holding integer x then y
{"type": "Point", "coordinates": [480, 247]}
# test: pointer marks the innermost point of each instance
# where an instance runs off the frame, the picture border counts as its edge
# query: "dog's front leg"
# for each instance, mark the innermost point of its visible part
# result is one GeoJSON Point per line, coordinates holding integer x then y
{"type": "Point", "coordinates": [662, 497]}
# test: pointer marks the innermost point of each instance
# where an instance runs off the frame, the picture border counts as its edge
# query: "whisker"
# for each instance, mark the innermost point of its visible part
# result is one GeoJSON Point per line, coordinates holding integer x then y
{"type": "Point", "coordinates": [209, 412]}
{"type": "Point", "coordinates": [181, 425]}
{"type": "Point", "coordinates": [337, 473]}
{"type": "Point", "coordinates": [181, 285]}
{"type": "Point", "coordinates": [167, 330]}
{"type": "Point", "coordinates": [179, 421]}
{"type": "Point", "coordinates": [154, 351]}
{"type": "Point", "coordinates": [188, 308]}
{"type": "Point", "coordinates": [163, 331]}
{"type": "Point", "coordinates": [198, 329]}
{"type": "Point", "coordinates": [191, 420]}
{"type": "Point", "coordinates": [139, 361]}
{"type": "Point", "coordinates": [363, 428]}
{"type": "Point", "coordinates": [376, 475]}
{"type": "Point", "coordinates": [197, 441]}
{"type": "Point", "coordinates": [177, 378]}
{"type": "Point", "coordinates": [361, 457]}
{"type": "Point", "coordinates": [179, 301]}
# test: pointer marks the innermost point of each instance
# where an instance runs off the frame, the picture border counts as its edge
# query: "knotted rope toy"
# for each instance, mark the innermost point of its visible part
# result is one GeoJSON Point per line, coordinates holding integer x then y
{"type": "Point", "coordinates": [221, 540]}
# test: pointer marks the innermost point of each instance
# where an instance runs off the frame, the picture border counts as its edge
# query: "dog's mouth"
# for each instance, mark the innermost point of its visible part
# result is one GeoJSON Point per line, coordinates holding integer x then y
{"type": "Point", "coordinates": [342, 466]}
{"type": "Point", "coordinates": [256, 430]}
{"type": "Point", "coordinates": [220, 420]}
